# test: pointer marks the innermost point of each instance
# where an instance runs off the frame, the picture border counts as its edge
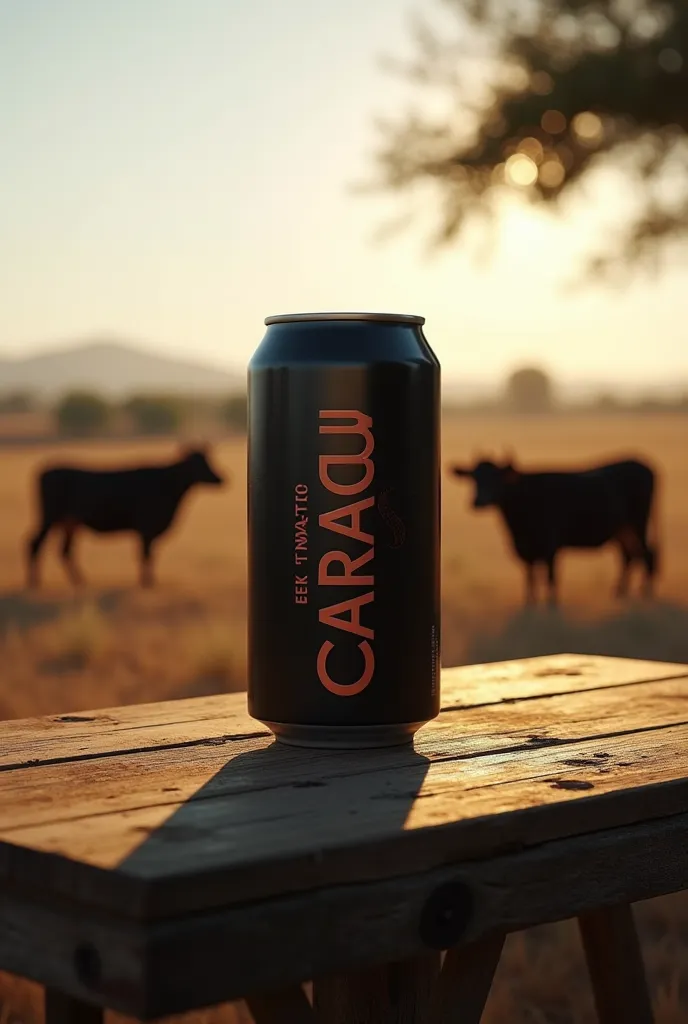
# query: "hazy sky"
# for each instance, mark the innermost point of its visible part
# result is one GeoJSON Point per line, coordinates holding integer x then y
{"type": "Point", "coordinates": [176, 170]}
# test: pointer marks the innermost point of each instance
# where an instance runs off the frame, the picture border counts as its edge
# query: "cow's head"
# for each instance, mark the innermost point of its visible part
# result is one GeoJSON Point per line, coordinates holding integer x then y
{"type": "Point", "coordinates": [198, 469]}
{"type": "Point", "coordinates": [492, 480]}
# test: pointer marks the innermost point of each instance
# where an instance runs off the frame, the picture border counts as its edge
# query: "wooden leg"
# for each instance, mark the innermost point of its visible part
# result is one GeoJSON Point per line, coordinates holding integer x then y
{"type": "Point", "coordinates": [62, 1009]}
{"type": "Point", "coordinates": [464, 984]}
{"type": "Point", "coordinates": [616, 967]}
{"type": "Point", "coordinates": [286, 1006]}
{"type": "Point", "coordinates": [397, 993]}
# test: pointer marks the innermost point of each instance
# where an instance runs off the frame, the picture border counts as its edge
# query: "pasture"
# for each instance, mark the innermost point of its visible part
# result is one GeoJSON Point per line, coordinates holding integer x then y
{"type": "Point", "coordinates": [112, 643]}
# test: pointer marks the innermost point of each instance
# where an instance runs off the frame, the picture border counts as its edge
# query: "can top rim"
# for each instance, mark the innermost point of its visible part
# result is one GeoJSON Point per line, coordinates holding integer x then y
{"type": "Point", "coordinates": [396, 318]}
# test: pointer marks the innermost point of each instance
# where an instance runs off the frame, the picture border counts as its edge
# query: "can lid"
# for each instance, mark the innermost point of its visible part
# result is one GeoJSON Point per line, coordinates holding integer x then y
{"type": "Point", "coordinates": [395, 318]}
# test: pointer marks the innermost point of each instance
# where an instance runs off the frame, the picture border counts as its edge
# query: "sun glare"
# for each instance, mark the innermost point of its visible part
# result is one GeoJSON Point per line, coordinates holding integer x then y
{"type": "Point", "coordinates": [521, 170]}
{"type": "Point", "coordinates": [588, 127]}
{"type": "Point", "coordinates": [552, 173]}
{"type": "Point", "coordinates": [531, 147]}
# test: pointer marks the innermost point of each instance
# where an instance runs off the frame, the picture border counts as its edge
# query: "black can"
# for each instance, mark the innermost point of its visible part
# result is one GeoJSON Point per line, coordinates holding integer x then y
{"type": "Point", "coordinates": [344, 512]}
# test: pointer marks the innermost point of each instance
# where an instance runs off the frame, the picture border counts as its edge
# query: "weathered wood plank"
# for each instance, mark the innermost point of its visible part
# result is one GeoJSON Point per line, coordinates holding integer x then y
{"type": "Point", "coordinates": [464, 984]}
{"type": "Point", "coordinates": [528, 678]}
{"type": "Point", "coordinates": [396, 993]}
{"type": "Point", "coordinates": [616, 966]}
{"type": "Point", "coordinates": [284, 1006]}
{"type": "Point", "coordinates": [138, 727]}
{"type": "Point", "coordinates": [64, 1009]}
{"type": "Point", "coordinates": [207, 852]}
{"type": "Point", "coordinates": [93, 734]}
{"type": "Point", "coordinates": [170, 967]}
{"type": "Point", "coordinates": [92, 960]}
{"type": "Point", "coordinates": [58, 792]}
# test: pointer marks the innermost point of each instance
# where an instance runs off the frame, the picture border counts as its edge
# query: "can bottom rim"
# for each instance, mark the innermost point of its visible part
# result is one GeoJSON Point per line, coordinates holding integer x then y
{"type": "Point", "coordinates": [344, 737]}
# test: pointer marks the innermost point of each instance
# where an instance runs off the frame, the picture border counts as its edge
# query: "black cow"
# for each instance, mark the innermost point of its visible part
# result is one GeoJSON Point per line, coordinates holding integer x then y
{"type": "Point", "coordinates": [546, 512]}
{"type": "Point", "coordinates": [142, 500]}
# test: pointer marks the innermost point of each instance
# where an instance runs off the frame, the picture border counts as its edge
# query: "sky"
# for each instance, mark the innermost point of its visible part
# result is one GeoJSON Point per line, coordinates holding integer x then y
{"type": "Point", "coordinates": [173, 171]}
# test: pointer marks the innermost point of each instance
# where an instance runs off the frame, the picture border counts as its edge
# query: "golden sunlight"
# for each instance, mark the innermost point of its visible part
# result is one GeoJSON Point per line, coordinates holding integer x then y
{"type": "Point", "coordinates": [553, 122]}
{"type": "Point", "coordinates": [541, 83]}
{"type": "Point", "coordinates": [521, 170]}
{"type": "Point", "coordinates": [551, 173]}
{"type": "Point", "coordinates": [532, 148]}
{"type": "Point", "coordinates": [588, 127]}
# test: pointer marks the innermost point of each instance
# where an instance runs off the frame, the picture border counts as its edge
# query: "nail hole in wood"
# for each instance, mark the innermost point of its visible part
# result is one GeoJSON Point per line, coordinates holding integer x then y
{"type": "Point", "coordinates": [87, 964]}
{"type": "Point", "coordinates": [446, 915]}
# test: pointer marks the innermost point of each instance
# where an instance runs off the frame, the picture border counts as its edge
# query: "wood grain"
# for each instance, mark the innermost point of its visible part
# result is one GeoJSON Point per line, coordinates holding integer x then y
{"type": "Point", "coordinates": [179, 858]}
{"type": "Point", "coordinates": [55, 792]}
{"type": "Point", "coordinates": [616, 966]}
{"type": "Point", "coordinates": [528, 678]}
{"type": "Point", "coordinates": [148, 853]}
{"type": "Point", "coordinates": [199, 720]}
{"type": "Point", "coordinates": [151, 970]}
{"type": "Point", "coordinates": [169, 858]}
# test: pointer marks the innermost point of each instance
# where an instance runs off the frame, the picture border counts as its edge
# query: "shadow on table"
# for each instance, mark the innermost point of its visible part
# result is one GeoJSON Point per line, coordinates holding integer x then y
{"type": "Point", "coordinates": [280, 804]}
{"type": "Point", "coordinates": [654, 632]}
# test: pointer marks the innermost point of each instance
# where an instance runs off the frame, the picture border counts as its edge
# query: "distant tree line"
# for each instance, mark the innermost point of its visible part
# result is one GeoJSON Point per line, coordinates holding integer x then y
{"type": "Point", "coordinates": [83, 413]}
{"type": "Point", "coordinates": [531, 390]}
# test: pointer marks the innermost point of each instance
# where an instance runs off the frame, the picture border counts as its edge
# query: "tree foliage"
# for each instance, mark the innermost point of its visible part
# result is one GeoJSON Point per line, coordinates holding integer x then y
{"type": "Point", "coordinates": [155, 414]}
{"type": "Point", "coordinates": [82, 414]}
{"type": "Point", "coordinates": [546, 91]}
{"type": "Point", "coordinates": [529, 390]}
{"type": "Point", "coordinates": [234, 413]}
{"type": "Point", "coordinates": [17, 402]}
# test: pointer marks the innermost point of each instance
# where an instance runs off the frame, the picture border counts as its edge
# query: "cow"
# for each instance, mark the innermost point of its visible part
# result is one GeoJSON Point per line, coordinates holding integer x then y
{"type": "Point", "coordinates": [143, 500]}
{"type": "Point", "coordinates": [546, 512]}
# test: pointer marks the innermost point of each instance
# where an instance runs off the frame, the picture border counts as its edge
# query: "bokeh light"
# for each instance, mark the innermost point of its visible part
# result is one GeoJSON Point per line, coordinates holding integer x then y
{"type": "Point", "coordinates": [531, 147]}
{"type": "Point", "coordinates": [521, 170]}
{"type": "Point", "coordinates": [517, 77]}
{"type": "Point", "coordinates": [553, 122]}
{"type": "Point", "coordinates": [541, 83]}
{"type": "Point", "coordinates": [551, 173]}
{"type": "Point", "coordinates": [588, 127]}
{"type": "Point", "coordinates": [670, 60]}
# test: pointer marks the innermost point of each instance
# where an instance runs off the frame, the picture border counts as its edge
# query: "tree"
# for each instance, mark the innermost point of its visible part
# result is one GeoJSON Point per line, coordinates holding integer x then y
{"type": "Point", "coordinates": [559, 87]}
{"type": "Point", "coordinates": [234, 413]}
{"type": "Point", "coordinates": [82, 414]}
{"type": "Point", "coordinates": [529, 390]}
{"type": "Point", "coordinates": [155, 414]}
{"type": "Point", "coordinates": [606, 402]}
{"type": "Point", "coordinates": [17, 402]}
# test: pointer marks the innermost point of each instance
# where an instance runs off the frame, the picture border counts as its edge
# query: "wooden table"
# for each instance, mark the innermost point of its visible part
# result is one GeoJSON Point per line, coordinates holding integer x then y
{"type": "Point", "coordinates": [163, 857]}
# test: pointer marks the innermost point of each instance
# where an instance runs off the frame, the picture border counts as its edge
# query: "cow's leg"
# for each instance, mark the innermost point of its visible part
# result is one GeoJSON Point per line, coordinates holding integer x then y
{"type": "Point", "coordinates": [530, 583]}
{"type": "Point", "coordinates": [552, 581]}
{"type": "Point", "coordinates": [66, 551]}
{"type": "Point", "coordinates": [147, 561]}
{"type": "Point", "coordinates": [650, 562]}
{"type": "Point", "coordinates": [33, 550]}
{"type": "Point", "coordinates": [626, 563]}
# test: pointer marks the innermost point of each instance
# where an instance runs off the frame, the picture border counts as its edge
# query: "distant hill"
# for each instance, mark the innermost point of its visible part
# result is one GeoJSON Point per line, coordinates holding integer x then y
{"type": "Point", "coordinates": [112, 367]}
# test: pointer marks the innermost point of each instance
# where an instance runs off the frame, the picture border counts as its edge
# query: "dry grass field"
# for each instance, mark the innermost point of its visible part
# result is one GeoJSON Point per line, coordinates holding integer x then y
{"type": "Point", "coordinates": [112, 644]}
